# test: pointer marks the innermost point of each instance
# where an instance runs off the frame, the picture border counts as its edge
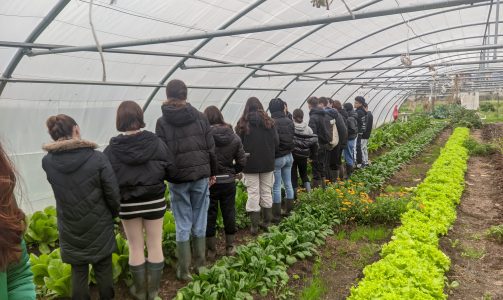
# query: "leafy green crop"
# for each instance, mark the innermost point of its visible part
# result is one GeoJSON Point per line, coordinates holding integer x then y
{"type": "Point", "coordinates": [42, 229]}
{"type": "Point", "coordinates": [412, 266]}
{"type": "Point", "coordinates": [390, 134]}
{"type": "Point", "coordinates": [51, 276]}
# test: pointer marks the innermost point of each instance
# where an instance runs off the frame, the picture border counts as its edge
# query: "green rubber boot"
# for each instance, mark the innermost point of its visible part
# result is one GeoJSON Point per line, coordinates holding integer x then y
{"type": "Point", "coordinates": [154, 274]}
{"type": "Point", "coordinates": [199, 253]}
{"type": "Point", "coordinates": [183, 264]}
{"type": "Point", "coordinates": [139, 287]}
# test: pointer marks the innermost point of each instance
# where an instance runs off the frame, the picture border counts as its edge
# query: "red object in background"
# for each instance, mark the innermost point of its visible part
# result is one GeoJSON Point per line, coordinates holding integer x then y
{"type": "Point", "coordinates": [395, 113]}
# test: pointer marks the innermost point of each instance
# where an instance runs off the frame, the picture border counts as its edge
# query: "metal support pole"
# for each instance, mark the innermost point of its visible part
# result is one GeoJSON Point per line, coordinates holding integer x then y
{"type": "Point", "coordinates": [343, 58]}
{"type": "Point", "coordinates": [379, 68]}
{"type": "Point", "coordinates": [264, 28]}
{"type": "Point", "coordinates": [496, 26]}
{"type": "Point", "coordinates": [46, 21]}
{"type": "Point", "coordinates": [128, 84]}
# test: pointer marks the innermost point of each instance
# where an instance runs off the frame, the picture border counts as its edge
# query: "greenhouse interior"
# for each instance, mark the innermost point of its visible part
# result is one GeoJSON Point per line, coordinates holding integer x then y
{"type": "Point", "coordinates": [405, 205]}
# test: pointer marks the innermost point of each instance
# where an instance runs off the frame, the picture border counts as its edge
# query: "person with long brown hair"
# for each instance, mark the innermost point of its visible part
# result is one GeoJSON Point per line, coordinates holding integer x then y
{"type": "Point", "coordinates": [231, 161]}
{"type": "Point", "coordinates": [141, 162]}
{"type": "Point", "coordinates": [16, 278]}
{"type": "Point", "coordinates": [87, 201]}
{"type": "Point", "coordinates": [260, 140]}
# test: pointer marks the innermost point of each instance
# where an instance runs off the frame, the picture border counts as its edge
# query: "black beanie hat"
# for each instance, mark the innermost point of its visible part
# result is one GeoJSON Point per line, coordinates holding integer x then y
{"type": "Point", "coordinates": [360, 99]}
{"type": "Point", "coordinates": [276, 104]}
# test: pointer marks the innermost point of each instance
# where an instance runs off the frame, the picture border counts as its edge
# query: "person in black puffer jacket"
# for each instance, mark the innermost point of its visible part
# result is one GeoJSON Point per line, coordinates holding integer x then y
{"type": "Point", "coordinates": [306, 146]}
{"type": "Point", "coordinates": [318, 124]}
{"type": "Point", "coordinates": [366, 136]}
{"type": "Point", "coordinates": [231, 161]}
{"type": "Point", "coordinates": [362, 127]}
{"type": "Point", "coordinates": [141, 161]}
{"type": "Point", "coordinates": [284, 159]}
{"type": "Point", "coordinates": [334, 155]}
{"type": "Point", "coordinates": [187, 133]}
{"type": "Point", "coordinates": [336, 104]}
{"type": "Point", "coordinates": [350, 150]}
{"type": "Point", "coordinates": [260, 140]}
{"type": "Point", "coordinates": [87, 200]}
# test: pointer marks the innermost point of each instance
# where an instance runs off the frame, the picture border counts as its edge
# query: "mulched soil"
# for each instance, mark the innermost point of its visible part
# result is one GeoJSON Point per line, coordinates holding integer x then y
{"type": "Point", "coordinates": [476, 260]}
{"type": "Point", "coordinates": [341, 260]}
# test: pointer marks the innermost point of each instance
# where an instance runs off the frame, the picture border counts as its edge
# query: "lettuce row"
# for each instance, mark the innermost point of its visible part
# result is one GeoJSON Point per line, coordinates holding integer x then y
{"type": "Point", "coordinates": [411, 265]}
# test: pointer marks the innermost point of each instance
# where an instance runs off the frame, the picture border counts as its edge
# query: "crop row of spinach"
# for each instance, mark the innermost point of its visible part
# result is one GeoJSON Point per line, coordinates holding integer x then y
{"type": "Point", "coordinates": [412, 266]}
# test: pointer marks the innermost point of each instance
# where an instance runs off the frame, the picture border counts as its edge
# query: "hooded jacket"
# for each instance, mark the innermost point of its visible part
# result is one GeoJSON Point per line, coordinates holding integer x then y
{"type": "Point", "coordinates": [187, 133]}
{"type": "Point", "coordinates": [261, 143]}
{"type": "Point", "coordinates": [141, 163]}
{"type": "Point", "coordinates": [306, 143]}
{"type": "Point", "coordinates": [87, 199]}
{"type": "Point", "coordinates": [370, 124]}
{"type": "Point", "coordinates": [352, 124]}
{"type": "Point", "coordinates": [362, 120]}
{"type": "Point", "coordinates": [341, 125]}
{"type": "Point", "coordinates": [230, 153]}
{"type": "Point", "coordinates": [286, 130]}
{"type": "Point", "coordinates": [319, 126]}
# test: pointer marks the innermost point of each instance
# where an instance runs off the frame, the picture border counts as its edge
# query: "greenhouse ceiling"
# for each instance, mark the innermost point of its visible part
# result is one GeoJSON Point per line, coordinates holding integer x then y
{"type": "Point", "coordinates": [53, 61]}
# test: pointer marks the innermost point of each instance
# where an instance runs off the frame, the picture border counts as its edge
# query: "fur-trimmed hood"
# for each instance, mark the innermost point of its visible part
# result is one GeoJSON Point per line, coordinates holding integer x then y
{"type": "Point", "coordinates": [67, 156]}
{"type": "Point", "coordinates": [65, 145]}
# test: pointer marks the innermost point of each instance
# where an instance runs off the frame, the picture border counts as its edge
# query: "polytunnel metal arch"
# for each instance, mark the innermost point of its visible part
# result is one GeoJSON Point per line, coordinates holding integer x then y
{"type": "Point", "coordinates": [32, 37]}
{"type": "Point", "coordinates": [373, 33]}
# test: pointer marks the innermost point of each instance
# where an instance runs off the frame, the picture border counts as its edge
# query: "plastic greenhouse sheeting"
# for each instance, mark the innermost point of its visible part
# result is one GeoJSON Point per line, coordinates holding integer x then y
{"type": "Point", "coordinates": [25, 106]}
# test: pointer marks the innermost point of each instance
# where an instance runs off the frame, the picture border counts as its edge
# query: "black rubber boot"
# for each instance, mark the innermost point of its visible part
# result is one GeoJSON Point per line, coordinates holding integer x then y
{"type": "Point", "coordinates": [199, 253]}
{"type": "Point", "coordinates": [266, 221]}
{"type": "Point", "coordinates": [323, 183]}
{"type": "Point", "coordinates": [183, 264]}
{"type": "Point", "coordinates": [255, 220]}
{"type": "Point", "coordinates": [154, 274]}
{"type": "Point", "coordinates": [289, 206]}
{"type": "Point", "coordinates": [211, 250]}
{"type": "Point", "coordinates": [349, 171]}
{"type": "Point", "coordinates": [276, 212]}
{"type": "Point", "coordinates": [139, 287]}
{"type": "Point", "coordinates": [229, 245]}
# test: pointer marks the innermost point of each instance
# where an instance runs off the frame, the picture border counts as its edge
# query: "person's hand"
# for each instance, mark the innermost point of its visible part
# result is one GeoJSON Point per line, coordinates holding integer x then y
{"type": "Point", "coordinates": [239, 176]}
{"type": "Point", "coordinates": [213, 180]}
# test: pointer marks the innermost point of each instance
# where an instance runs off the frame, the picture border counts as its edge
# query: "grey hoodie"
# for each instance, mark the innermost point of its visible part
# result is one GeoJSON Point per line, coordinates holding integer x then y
{"type": "Point", "coordinates": [302, 128]}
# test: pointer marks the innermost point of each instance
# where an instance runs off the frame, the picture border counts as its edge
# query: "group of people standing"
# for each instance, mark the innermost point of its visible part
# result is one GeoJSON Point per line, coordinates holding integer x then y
{"type": "Point", "coordinates": [200, 156]}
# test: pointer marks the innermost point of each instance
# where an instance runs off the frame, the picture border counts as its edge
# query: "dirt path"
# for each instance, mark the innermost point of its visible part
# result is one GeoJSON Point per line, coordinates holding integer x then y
{"type": "Point", "coordinates": [342, 260]}
{"type": "Point", "coordinates": [477, 262]}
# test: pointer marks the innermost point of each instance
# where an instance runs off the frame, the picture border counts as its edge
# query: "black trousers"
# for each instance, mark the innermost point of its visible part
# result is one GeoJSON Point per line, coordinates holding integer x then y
{"type": "Point", "coordinates": [333, 162]}
{"type": "Point", "coordinates": [104, 278]}
{"type": "Point", "coordinates": [299, 168]}
{"type": "Point", "coordinates": [319, 163]}
{"type": "Point", "coordinates": [359, 159]}
{"type": "Point", "coordinates": [223, 194]}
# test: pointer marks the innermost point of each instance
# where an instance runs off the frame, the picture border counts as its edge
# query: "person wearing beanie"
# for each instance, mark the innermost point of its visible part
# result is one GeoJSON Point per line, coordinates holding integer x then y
{"type": "Point", "coordinates": [362, 127]}
{"type": "Point", "coordinates": [283, 158]}
{"type": "Point", "coordinates": [366, 136]}
{"type": "Point", "coordinates": [352, 135]}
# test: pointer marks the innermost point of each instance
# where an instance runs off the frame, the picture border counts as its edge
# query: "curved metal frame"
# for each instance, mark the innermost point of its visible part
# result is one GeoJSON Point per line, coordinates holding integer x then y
{"type": "Point", "coordinates": [36, 32]}
{"type": "Point", "coordinates": [306, 35]}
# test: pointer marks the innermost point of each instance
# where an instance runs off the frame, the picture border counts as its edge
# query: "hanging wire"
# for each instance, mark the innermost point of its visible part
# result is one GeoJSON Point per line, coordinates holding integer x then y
{"type": "Point", "coordinates": [98, 45]}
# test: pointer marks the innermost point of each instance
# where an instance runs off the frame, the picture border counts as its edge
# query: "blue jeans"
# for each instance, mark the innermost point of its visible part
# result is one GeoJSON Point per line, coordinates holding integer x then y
{"type": "Point", "coordinates": [189, 202]}
{"type": "Point", "coordinates": [282, 171]}
{"type": "Point", "coordinates": [349, 152]}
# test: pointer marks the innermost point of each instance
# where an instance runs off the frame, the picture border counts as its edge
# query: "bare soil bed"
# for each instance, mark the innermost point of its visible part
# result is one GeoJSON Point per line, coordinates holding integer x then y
{"type": "Point", "coordinates": [477, 261]}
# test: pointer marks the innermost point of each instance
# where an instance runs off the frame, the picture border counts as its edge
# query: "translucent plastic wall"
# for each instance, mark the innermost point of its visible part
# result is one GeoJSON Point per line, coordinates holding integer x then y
{"type": "Point", "coordinates": [24, 107]}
